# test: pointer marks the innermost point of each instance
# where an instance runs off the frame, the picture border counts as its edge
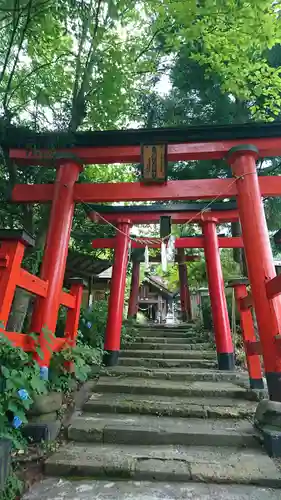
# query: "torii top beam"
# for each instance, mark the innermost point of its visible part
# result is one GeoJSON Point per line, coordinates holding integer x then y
{"type": "Point", "coordinates": [150, 214]}
{"type": "Point", "coordinates": [124, 146]}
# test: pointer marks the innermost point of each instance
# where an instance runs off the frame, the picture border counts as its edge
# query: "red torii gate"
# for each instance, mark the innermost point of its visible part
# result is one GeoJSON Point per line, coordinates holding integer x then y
{"type": "Point", "coordinates": [241, 153]}
{"type": "Point", "coordinates": [211, 244]}
{"type": "Point", "coordinates": [174, 214]}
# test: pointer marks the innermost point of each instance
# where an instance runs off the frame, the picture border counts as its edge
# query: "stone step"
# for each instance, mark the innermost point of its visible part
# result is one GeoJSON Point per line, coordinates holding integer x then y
{"type": "Point", "coordinates": [130, 385]}
{"type": "Point", "coordinates": [171, 340]}
{"type": "Point", "coordinates": [165, 463]}
{"type": "Point", "coordinates": [176, 354]}
{"type": "Point", "coordinates": [166, 363]}
{"type": "Point", "coordinates": [184, 326]}
{"type": "Point", "coordinates": [167, 334]}
{"type": "Point", "coordinates": [167, 347]}
{"type": "Point", "coordinates": [87, 489]}
{"type": "Point", "coordinates": [178, 374]}
{"type": "Point", "coordinates": [151, 430]}
{"type": "Point", "coordinates": [195, 406]}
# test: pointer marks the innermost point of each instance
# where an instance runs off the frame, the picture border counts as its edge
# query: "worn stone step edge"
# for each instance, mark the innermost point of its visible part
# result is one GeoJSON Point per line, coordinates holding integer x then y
{"type": "Point", "coordinates": [179, 374]}
{"type": "Point", "coordinates": [175, 354]}
{"type": "Point", "coordinates": [51, 488]}
{"type": "Point", "coordinates": [174, 340]}
{"type": "Point", "coordinates": [185, 407]}
{"type": "Point", "coordinates": [167, 334]}
{"type": "Point", "coordinates": [152, 430]}
{"type": "Point", "coordinates": [127, 387]}
{"type": "Point", "coordinates": [166, 327]}
{"type": "Point", "coordinates": [167, 363]}
{"type": "Point", "coordinates": [127, 462]}
{"type": "Point", "coordinates": [168, 347]}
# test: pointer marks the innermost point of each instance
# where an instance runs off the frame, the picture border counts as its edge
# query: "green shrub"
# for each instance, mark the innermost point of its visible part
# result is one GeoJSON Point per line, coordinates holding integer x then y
{"type": "Point", "coordinates": [93, 324]}
{"type": "Point", "coordinates": [129, 332]}
{"type": "Point", "coordinates": [83, 357]}
{"type": "Point", "coordinates": [18, 371]}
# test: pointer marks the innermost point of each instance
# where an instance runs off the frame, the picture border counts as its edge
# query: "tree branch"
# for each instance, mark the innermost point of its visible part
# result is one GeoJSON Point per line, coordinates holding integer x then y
{"type": "Point", "coordinates": [147, 47]}
{"type": "Point", "coordinates": [78, 107]}
{"type": "Point", "coordinates": [17, 55]}
{"type": "Point", "coordinates": [11, 42]}
{"type": "Point", "coordinates": [269, 170]}
{"type": "Point", "coordinates": [35, 70]}
{"type": "Point", "coordinates": [85, 27]}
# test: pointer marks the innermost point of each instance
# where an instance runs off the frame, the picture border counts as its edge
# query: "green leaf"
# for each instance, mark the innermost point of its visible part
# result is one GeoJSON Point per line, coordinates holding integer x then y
{"type": "Point", "coordinates": [5, 371]}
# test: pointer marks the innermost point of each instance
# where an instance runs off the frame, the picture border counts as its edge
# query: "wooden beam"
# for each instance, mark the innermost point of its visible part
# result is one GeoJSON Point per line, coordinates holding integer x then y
{"type": "Point", "coordinates": [211, 150]}
{"type": "Point", "coordinates": [246, 302]}
{"type": "Point", "coordinates": [27, 343]}
{"type": "Point", "coordinates": [273, 287]}
{"type": "Point", "coordinates": [188, 258]}
{"type": "Point", "coordinates": [134, 191]}
{"type": "Point", "coordinates": [67, 300]}
{"type": "Point", "coordinates": [176, 217]}
{"type": "Point", "coordinates": [189, 242]}
{"type": "Point", "coordinates": [32, 283]}
{"type": "Point", "coordinates": [253, 348]}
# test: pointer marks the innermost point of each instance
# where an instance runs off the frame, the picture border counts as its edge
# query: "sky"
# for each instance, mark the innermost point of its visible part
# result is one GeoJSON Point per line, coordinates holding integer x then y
{"type": "Point", "coordinates": [164, 85]}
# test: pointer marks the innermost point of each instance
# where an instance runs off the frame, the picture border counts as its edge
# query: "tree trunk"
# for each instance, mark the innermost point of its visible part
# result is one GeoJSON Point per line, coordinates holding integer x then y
{"type": "Point", "coordinates": [18, 311]}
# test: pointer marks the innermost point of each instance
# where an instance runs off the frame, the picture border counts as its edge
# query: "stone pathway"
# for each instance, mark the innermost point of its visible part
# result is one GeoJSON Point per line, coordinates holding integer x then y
{"type": "Point", "coordinates": [164, 421]}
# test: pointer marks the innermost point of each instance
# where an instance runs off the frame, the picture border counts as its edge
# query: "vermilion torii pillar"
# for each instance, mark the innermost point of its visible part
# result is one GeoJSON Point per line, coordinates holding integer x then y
{"type": "Point", "coordinates": [184, 288]}
{"type": "Point", "coordinates": [224, 345]}
{"type": "Point", "coordinates": [259, 260]}
{"type": "Point", "coordinates": [55, 254]}
{"type": "Point", "coordinates": [117, 293]}
{"type": "Point", "coordinates": [248, 333]}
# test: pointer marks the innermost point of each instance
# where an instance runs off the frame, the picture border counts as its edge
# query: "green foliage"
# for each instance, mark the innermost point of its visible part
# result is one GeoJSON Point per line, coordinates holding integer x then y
{"type": "Point", "coordinates": [83, 357]}
{"type": "Point", "coordinates": [93, 323]}
{"type": "Point", "coordinates": [129, 332]}
{"type": "Point", "coordinates": [229, 38]}
{"type": "Point", "coordinates": [13, 488]}
{"type": "Point", "coordinates": [204, 333]}
{"type": "Point", "coordinates": [197, 273]}
{"type": "Point", "coordinates": [18, 371]}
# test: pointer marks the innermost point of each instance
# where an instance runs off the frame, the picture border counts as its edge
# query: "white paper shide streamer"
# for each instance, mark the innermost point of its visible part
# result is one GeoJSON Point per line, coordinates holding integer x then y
{"type": "Point", "coordinates": [129, 250]}
{"type": "Point", "coordinates": [171, 249]}
{"type": "Point", "coordinates": [164, 261]}
{"type": "Point", "coordinates": [146, 258]}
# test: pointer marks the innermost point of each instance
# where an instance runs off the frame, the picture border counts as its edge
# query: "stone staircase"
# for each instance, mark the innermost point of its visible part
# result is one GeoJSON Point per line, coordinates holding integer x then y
{"type": "Point", "coordinates": [166, 415]}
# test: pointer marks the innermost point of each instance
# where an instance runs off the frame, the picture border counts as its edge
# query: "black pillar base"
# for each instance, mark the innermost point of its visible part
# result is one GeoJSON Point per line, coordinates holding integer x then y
{"type": "Point", "coordinates": [110, 358]}
{"type": "Point", "coordinates": [226, 361]}
{"type": "Point", "coordinates": [256, 383]}
{"type": "Point", "coordinates": [274, 385]}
